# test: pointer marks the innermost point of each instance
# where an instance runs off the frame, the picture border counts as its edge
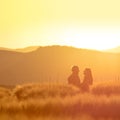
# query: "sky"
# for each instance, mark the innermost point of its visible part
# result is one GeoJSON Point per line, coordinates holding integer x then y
{"type": "Point", "coordinates": [93, 24]}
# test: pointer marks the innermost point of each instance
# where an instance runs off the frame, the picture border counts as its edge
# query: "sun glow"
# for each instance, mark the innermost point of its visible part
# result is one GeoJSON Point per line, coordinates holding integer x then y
{"type": "Point", "coordinates": [89, 24]}
{"type": "Point", "coordinates": [81, 37]}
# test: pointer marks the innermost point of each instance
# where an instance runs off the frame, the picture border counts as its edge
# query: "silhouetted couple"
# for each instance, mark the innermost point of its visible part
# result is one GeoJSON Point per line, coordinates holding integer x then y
{"type": "Point", "coordinates": [74, 79]}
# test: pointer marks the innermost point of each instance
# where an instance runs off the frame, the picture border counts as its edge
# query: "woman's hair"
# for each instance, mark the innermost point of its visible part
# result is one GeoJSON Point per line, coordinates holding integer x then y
{"type": "Point", "coordinates": [88, 76]}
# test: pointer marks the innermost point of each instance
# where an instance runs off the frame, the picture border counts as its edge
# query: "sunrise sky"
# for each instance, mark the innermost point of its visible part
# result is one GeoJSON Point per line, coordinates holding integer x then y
{"type": "Point", "coordinates": [93, 24]}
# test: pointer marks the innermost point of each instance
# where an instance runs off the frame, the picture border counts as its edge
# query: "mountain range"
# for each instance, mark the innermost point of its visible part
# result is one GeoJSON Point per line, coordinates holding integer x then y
{"type": "Point", "coordinates": [53, 64]}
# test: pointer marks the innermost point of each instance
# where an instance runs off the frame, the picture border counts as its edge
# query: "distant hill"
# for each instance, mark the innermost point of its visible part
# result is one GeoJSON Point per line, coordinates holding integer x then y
{"type": "Point", "coordinates": [53, 63]}
{"type": "Point", "coordinates": [24, 50]}
{"type": "Point", "coordinates": [2, 48]}
{"type": "Point", "coordinates": [27, 49]}
{"type": "Point", "coordinates": [114, 50]}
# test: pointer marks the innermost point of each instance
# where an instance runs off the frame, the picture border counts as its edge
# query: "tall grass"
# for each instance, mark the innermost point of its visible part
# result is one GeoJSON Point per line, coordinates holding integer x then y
{"type": "Point", "coordinates": [107, 88]}
{"type": "Point", "coordinates": [55, 101]}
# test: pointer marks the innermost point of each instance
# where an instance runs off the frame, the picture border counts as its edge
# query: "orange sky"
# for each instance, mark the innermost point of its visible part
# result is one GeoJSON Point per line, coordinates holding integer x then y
{"type": "Point", "coordinates": [81, 23]}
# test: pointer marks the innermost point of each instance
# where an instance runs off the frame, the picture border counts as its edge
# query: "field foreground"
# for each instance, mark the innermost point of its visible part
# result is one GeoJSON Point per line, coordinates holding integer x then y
{"type": "Point", "coordinates": [59, 101]}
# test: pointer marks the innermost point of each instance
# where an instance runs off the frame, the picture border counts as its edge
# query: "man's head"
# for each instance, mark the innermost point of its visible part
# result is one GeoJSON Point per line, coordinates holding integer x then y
{"type": "Point", "coordinates": [75, 69]}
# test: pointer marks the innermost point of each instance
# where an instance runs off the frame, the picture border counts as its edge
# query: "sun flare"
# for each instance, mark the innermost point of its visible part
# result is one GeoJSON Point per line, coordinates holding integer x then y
{"type": "Point", "coordinates": [97, 38]}
{"type": "Point", "coordinates": [89, 24]}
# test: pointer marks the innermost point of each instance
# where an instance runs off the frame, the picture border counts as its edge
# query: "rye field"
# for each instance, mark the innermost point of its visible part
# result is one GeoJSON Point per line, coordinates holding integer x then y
{"type": "Point", "coordinates": [51, 101]}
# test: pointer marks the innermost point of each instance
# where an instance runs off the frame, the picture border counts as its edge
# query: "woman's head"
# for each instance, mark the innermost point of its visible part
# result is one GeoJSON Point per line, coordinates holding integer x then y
{"type": "Point", "coordinates": [87, 71]}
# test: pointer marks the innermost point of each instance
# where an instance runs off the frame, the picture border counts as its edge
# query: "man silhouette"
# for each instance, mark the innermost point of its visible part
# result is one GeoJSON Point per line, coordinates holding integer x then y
{"type": "Point", "coordinates": [74, 79]}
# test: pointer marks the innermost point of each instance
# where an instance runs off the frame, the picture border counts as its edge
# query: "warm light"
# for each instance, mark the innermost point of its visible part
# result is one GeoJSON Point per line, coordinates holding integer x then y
{"type": "Point", "coordinates": [79, 23]}
{"type": "Point", "coordinates": [80, 37]}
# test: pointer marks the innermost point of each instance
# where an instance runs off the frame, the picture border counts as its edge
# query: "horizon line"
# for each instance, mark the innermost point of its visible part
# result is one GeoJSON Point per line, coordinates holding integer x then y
{"type": "Point", "coordinates": [37, 46]}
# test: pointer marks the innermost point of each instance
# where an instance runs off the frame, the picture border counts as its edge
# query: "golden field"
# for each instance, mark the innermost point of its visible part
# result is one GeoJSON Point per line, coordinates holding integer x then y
{"type": "Point", "coordinates": [53, 101]}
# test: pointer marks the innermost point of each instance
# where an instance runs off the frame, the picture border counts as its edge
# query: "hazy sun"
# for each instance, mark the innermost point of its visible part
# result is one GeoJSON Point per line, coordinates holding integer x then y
{"type": "Point", "coordinates": [91, 24]}
{"type": "Point", "coordinates": [89, 38]}
{"type": "Point", "coordinates": [80, 37]}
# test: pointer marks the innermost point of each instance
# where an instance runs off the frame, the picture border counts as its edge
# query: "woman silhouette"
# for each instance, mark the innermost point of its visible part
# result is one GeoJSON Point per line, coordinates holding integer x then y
{"type": "Point", "coordinates": [87, 81]}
